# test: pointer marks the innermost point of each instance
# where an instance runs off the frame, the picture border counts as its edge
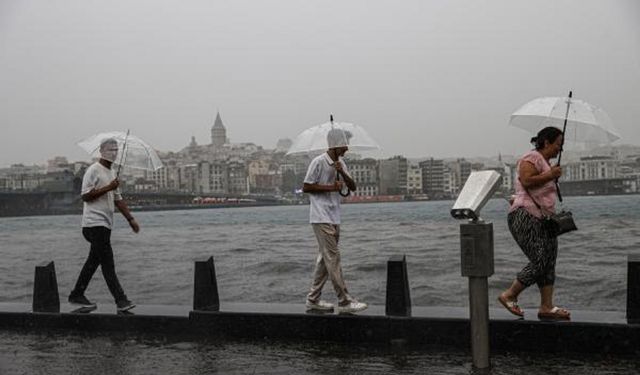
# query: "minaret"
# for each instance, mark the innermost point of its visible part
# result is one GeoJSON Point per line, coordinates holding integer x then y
{"type": "Point", "coordinates": [218, 133]}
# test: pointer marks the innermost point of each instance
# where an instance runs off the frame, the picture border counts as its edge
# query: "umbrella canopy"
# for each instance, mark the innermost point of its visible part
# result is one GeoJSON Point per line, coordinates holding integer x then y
{"type": "Point", "coordinates": [319, 138]}
{"type": "Point", "coordinates": [586, 123]}
{"type": "Point", "coordinates": [132, 151]}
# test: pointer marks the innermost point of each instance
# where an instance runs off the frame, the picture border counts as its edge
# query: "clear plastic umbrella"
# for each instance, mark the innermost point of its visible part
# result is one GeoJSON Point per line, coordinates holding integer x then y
{"type": "Point", "coordinates": [585, 124]}
{"type": "Point", "coordinates": [319, 138]}
{"type": "Point", "coordinates": [132, 151]}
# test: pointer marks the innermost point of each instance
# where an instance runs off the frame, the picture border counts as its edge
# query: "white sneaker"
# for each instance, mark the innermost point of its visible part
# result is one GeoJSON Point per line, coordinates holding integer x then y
{"type": "Point", "coordinates": [353, 306]}
{"type": "Point", "coordinates": [320, 305]}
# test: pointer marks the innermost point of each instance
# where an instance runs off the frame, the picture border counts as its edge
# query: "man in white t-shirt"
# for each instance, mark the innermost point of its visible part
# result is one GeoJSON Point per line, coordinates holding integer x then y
{"type": "Point", "coordinates": [101, 196]}
{"type": "Point", "coordinates": [323, 185]}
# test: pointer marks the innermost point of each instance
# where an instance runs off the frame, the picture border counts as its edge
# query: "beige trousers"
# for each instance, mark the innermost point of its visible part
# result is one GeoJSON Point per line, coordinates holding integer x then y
{"type": "Point", "coordinates": [328, 264]}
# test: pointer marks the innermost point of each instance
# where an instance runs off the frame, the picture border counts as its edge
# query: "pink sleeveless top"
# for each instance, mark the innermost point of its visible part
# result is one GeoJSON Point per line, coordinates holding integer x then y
{"type": "Point", "coordinates": [545, 195]}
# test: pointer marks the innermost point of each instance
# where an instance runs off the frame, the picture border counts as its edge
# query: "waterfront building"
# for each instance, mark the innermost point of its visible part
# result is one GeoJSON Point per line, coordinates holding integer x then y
{"type": "Point", "coordinates": [591, 168]}
{"type": "Point", "coordinates": [414, 179]}
{"type": "Point", "coordinates": [188, 178]}
{"type": "Point", "coordinates": [19, 177]}
{"type": "Point", "coordinates": [593, 175]}
{"type": "Point", "coordinates": [160, 177]}
{"type": "Point", "coordinates": [365, 174]}
{"type": "Point", "coordinates": [508, 177]}
{"type": "Point", "coordinates": [449, 182]}
{"type": "Point", "coordinates": [238, 180]}
{"type": "Point", "coordinates": [257, 168]}
{"type": "Point", "coordinates": [212, 177]}
{"type": "Point", "coordinates": [57, 164]}
{"type": "Point", "coordinates": [433, 177]}
{"type": "Point", "coordinates": [393, 176]}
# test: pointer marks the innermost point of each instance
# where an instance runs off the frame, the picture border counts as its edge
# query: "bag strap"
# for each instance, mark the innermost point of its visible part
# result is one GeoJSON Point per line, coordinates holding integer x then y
{"type": "Point", "coordinates": [531, 196]}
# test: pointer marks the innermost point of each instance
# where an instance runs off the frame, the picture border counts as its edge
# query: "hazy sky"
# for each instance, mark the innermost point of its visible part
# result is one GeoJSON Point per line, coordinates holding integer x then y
{"type": "Point", "coordinates": [425, 78]}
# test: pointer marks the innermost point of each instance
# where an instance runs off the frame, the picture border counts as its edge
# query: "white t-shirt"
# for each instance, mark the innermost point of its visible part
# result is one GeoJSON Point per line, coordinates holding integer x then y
{"type": "Point", "coordinates": [99, 212]}
{"type": "Point", "coordinates": [324, 207]}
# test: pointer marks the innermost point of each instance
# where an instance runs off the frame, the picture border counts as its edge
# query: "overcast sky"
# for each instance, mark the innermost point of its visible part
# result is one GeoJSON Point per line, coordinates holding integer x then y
{"type": "Point", "coordinates": [425, 78]}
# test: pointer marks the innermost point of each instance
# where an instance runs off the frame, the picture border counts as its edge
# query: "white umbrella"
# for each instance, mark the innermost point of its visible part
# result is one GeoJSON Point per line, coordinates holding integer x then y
{"type": "Point", "coordinates": [132, 151]}
{"type": "Point", "coordinates": [582, 123]}
{"type": "Point", "coordinates": [316, 139]}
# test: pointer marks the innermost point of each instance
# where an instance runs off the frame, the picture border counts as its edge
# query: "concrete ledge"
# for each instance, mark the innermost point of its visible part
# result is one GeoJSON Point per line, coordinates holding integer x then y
{"type": "Point", "coordinates": [429, 327]}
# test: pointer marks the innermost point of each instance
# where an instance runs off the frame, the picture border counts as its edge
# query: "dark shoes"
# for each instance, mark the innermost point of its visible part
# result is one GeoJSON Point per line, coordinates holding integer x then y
{"type": "Point", "coordinates": [81, 300]}
{"type": "Point", "coordinates": [125, 305]}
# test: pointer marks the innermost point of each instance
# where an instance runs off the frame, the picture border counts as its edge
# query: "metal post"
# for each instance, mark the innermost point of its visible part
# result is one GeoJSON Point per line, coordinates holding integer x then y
{"type": "Point", "coordinates": [479, 317]}
{"type": "Point", "coordinates": [476, 243]}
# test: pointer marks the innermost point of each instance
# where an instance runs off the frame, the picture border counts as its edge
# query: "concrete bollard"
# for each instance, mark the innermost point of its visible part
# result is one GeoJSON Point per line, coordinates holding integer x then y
{"type": "Point", "coordinates": [398, 301]}
{"type": "Point", "coordinates": [45, 289]}
{"type": "Point", "coordinates": [633, 288]}
{"type": "Point", "coordinates": [205, 287]}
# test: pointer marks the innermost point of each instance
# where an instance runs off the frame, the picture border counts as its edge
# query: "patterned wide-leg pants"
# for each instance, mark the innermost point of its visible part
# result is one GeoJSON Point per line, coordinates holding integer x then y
{"type": "Point", "coordinates": [540, 247]}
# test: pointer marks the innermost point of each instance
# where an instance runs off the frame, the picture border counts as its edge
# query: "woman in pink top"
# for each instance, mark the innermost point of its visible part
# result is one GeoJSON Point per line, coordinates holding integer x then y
{"type": "Point", "coordinates": [535, 198]}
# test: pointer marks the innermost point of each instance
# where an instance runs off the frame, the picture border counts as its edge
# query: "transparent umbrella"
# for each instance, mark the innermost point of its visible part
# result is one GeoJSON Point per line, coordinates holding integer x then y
{"type": "Point", "coordinates": [319, 138]}
{"type": "Point", "coordinates": [132, 151]}
{"type": "Point", "coordinates": [583, 124]}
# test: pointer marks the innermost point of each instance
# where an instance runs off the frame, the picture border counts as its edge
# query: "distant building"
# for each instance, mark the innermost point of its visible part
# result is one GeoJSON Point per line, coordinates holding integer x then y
{"type": "Point", "coordinates": [237, 177]}
{"type": "Point", "coordinates": [414, 179]}
{"type": "Point", "coordinates": [212, 177]}
{"type": "Point", "coordinates": [19, 177]}
{"type": "Point", "coordinates": [433, 177]}
{"type": "Point", "coordinates": [393, 176]}
{"type": "Point", "coordinates": [591, 168]}
{"type": "Point", "coordinates": [365, 174]}
{"type": "Point", "coordinates": [460, 170]}
{"type": "Point", "coordinates": [58, 164]}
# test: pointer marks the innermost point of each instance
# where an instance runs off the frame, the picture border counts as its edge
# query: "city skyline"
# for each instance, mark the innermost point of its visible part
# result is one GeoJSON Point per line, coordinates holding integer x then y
{"type": "Point", "coordinates": [374, 155]}
{"type": "Point", "coordinates": [436, 78]}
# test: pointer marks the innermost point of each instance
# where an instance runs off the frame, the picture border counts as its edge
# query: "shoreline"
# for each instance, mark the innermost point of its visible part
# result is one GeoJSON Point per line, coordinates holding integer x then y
{"type": "Point", "coordinates": [200, 206]}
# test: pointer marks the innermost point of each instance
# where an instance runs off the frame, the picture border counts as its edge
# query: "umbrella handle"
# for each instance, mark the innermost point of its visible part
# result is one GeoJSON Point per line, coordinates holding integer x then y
{"type": "Point", "coordinates": [340, 191]}
{"type": "Point", "coordinates": [564, 129]}
{"type": "Point", "coordinates": [123, 159]}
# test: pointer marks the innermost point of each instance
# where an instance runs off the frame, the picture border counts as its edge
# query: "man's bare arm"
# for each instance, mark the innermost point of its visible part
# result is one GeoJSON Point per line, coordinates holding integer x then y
{"type": "Point", "coordinates": [97, 193]}
{"type": "Point", "coordinates": [124, 210]}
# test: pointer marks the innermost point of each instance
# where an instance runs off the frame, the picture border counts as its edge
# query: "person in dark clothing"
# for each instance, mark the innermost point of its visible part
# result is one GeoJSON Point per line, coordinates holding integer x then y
{"type": "Point", "coordinates": [101, 196]}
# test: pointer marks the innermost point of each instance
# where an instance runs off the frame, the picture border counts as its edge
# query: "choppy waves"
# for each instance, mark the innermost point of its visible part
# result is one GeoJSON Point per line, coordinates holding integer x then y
{"type": "Point", "coordinates": [266, 254]}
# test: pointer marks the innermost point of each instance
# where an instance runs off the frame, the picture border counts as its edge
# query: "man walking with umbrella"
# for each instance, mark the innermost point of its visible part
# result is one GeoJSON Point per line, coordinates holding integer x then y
{"type": "Point", "coordinates": [101, 195]}
{"type": "Point", "coordinates": [326, 177]}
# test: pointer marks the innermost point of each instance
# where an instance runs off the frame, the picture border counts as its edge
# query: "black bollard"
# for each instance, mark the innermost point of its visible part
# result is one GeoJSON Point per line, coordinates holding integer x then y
{"type": "Point", "coordinates": [633, 288]}
{"type": "Point", "coordinates": [205, 288]}
{"type": "Point", "coordinates": [398, 297]}
{"type": "Point", "coordinates": [45, 289]}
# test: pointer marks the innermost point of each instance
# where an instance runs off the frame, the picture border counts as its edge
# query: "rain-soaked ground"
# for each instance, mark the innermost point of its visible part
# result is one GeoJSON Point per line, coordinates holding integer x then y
{"type": "Point", "coordinates": [54, 354]}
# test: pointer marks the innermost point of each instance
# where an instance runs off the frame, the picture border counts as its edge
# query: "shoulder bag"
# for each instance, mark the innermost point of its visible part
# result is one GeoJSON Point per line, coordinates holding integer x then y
{"type": "Point", "coordinates": [558, 223]}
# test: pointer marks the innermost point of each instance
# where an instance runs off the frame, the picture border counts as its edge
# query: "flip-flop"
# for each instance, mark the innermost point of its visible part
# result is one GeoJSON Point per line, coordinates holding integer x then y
{"type": "Point", "coordinates": [511, 306]}
{"type": "Point", "coordinates": [556, 313]}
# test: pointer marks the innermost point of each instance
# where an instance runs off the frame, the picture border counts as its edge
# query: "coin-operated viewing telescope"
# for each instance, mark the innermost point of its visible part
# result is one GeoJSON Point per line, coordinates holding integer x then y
{"type": "Point", "coordinates": [479, 187]}
{"type": "Point", "coordinates": [476, 257]}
